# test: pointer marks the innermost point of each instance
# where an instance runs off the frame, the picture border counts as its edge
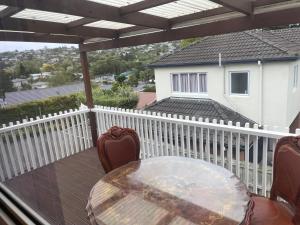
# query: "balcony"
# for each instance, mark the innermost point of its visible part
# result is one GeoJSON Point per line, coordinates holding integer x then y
{"type": "Point", "coordinates": [50, 163]}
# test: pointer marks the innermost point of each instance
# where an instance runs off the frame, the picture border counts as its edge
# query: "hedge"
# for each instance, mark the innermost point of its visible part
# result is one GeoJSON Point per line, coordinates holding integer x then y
{"type": "Point", "coordinates": [123, 98]}
{"type": "Point", "coordinates": [38, 108]}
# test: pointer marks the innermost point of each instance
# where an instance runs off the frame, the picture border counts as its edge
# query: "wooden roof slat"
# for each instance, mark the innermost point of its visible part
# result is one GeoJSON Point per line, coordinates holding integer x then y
{"type": "Point", "coordinates": [81, 22]}
{"type": "Point", "coordinates": [90, 9]}
{"type": "Point", "coordinates": [280, 17]}
{"type": "Point", "coordinates": [243, 6]}
{"type": "Point", "coordinates": [33, 37]}
{"type": "Point", "coordinates": [15, 24]}
{"type": "Point", "coordinates": [146, 4]}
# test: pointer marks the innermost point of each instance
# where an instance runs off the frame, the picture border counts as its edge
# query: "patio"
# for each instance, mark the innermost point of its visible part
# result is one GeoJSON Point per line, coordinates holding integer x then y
{"type": "Point", "coordinates": [59, 191]}
{"type": "Point", "coordinates": [51, 163]}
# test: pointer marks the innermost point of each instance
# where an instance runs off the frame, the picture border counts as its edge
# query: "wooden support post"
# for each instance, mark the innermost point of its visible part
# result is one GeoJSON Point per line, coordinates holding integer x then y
{"type": "Point", "coordinates": [89, 96]}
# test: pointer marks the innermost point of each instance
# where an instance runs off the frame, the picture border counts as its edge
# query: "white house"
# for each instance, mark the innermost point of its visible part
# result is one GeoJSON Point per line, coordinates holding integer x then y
{"type": "Point", "coordinates": [42, 75]}
{"type": "Point", "coordinates": [18, 82]}
{"type": "Point", "coordinates": [255, 73]}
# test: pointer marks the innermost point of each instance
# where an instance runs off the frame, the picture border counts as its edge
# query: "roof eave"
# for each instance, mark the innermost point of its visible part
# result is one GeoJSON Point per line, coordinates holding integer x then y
{"type": "Point", "coordinates": [276, 59]}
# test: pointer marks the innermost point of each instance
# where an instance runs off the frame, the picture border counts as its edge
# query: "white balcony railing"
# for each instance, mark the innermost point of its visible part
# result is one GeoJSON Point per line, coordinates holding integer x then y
{"type": "Point", "coordinates": [31, 144]}
{"type": "Point", "coordinates": [247, 152]}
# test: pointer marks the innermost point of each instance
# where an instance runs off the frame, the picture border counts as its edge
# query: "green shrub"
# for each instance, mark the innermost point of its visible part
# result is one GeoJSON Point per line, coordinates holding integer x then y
{"type": "Point", "coordinates": [121, 96]}
{"type": "Point", "coordinates": [149, 88]}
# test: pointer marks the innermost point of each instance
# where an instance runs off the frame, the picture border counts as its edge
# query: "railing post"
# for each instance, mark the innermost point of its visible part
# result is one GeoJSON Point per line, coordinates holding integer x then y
{"type": "Point", "coordinates": [89, 95]}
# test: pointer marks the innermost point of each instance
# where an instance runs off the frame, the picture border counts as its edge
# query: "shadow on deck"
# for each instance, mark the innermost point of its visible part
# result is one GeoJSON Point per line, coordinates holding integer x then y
{"type": "Point", "coordinates": [59, 191]}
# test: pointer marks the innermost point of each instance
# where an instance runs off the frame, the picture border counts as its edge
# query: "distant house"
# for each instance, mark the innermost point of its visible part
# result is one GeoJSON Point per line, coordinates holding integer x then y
{"type": "Point", "coordinates": [108, 77]}
{"type": "Point", "coordinates": [46, 74]}
{"type": "Point", "coordinates": [254, 73]}
{"type": "Point", "coordinates": [39, 85]}
{"type": "Point", "coordinates": [18, 82]}
{"type": "Point", "coordinates": [19, 97]}
{"type": "Point", "coordinates": [37, 76]}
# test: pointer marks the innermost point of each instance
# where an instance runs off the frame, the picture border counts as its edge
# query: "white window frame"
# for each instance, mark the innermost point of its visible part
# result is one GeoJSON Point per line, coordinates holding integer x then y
{"type": "Point", "coordinates": [248, 84]}
{"type": "Point", "coordinates": [295, 76]}
{"type": "Point", "coordinates": [188, 94]}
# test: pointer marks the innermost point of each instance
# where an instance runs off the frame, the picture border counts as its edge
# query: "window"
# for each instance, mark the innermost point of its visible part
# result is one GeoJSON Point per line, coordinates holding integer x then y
{"type": "Point", "coordinates": [184, 82]}
{"type": "Point", "coordinates": [176, 82]}
{"type": "Point", "coordinates": [189, 82]}
{"type": "Point", "coordinates": [296, 74]}
{"type": "Point", "coordinates": [202, 82]}
{"type": "Point", "coordinates": [193, 82]}
{"type": "Point", "coordinates": [239, 83]}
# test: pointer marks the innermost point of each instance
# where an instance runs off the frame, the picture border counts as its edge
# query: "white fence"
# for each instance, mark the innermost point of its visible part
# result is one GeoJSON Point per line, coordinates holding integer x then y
{"type": "Point", "coordinates": [247, 152]}
{"type": "Point", "coordinates": [31, 144]}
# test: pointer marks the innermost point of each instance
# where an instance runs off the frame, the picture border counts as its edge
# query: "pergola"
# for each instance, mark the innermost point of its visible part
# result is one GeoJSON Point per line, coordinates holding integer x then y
{"type": "Point", "coordinates": [107, 24]}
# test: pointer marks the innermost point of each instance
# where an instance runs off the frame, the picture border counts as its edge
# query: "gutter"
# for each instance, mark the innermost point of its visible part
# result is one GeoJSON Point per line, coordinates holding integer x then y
{"type": "Point", "coordinates": [288, 58]}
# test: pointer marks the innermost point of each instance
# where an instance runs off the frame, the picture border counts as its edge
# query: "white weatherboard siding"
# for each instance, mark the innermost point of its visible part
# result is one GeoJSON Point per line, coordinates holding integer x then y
{"type": "Point", "coordinates": [293, 94]}
{"type": "Point", "coordinates": [275, 88]}
{"type": "Point", "coordinates": [279, 105]}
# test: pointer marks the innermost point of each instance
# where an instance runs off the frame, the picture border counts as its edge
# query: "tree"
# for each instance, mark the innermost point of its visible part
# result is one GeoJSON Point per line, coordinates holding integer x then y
{"type": "Point", "coordinates": [6, 84]}
{"type": "Point", "coordinates": [25, 68]}
{"type": "Point", "coordinates": [147, 74]}
{"type": "Point", "coordinates": [133, 80]}
{"type": "Point", "coordinates": [61, 77]}
{"type": "Point", "coordinates": [187, 42]}
{"type": "Point", "coordinates": [26, 86]}
{"type": "Point", "coordinates": [47, 67]}
{"type": "Point", "coordinates": [120, 79]}
{"type": "Point", "coordinates": [20, 70]}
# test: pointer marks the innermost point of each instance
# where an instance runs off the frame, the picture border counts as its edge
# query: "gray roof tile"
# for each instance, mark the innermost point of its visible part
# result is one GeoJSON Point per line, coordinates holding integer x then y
{"type": "Point", "coordinates": [235, 47]}
{"type": "Point", "coordinates": [205, 108]}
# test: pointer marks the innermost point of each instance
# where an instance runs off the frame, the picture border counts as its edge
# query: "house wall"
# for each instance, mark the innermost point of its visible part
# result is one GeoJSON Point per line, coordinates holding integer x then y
{"type": "Point", "coordinates": [293, 94]}
{"type": "Point", "coordinates": [274, 96]}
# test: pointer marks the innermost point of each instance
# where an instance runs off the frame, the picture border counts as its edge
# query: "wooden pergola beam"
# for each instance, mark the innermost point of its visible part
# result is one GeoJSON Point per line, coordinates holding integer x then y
{"type": "Point", "coordinates": [139, 6]}
{"type": "Point", "coordinates": [89, 95]}
{"type": "Point", "coordinates": [34, 37]}
{"type": "Point", "coordinates": [9, 11]}
{"type": "Point", "coordinates": [220, 11]}
{"type": "Point", "coordinates": [268, 19]}
{"type": "Point", "coordinates": [204, 14]}
{"type": "Point", "coordinates": [90, 9]}
{"type": "Point", "coordinates": [80, 22]}
{"type": "Point", "coordinates": [243, 6]}
{"type": "Point", "coordinates": [55, 28]}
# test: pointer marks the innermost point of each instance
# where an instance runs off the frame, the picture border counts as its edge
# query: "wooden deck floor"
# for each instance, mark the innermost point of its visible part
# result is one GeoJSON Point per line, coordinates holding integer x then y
{"type": "Point", "coordinates": [59, 191]}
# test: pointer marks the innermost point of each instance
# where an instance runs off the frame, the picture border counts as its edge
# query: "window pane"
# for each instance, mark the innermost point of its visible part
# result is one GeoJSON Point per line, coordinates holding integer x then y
{"type": "Point", "coordinates": [296, 72]}
{"type": "Point", "coordinates": [175, 80]}
{"type": "Point", "coordinates": [184, 81]}
{"type": "Point", "coordinates": [202, 83]}
{"type": "Point", "coordinates": [239, 83]}
{"type": "Point", "coordinates": [193, 82]}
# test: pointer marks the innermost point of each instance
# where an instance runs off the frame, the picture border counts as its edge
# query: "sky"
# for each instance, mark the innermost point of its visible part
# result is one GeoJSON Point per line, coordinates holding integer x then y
{"type": "Point", "coordinates": [21, 46]}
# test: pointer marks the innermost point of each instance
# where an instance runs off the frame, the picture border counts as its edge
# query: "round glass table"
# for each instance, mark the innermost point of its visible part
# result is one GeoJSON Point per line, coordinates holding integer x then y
{"type": "Point", "coordinates": [169, 191]}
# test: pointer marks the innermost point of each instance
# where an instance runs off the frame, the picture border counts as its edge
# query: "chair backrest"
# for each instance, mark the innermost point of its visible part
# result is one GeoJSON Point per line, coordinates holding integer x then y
{"type": "Point", "coordinates": [117, 147]}
{"type": "Point", "coordinates": [286, 173]}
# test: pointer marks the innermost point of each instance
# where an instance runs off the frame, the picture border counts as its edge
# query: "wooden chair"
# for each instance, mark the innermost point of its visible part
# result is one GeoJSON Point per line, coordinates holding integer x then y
{"type": "Point", "coordinates": [117, 147]}
{"type": "Point", "coordinates": [286, 185]}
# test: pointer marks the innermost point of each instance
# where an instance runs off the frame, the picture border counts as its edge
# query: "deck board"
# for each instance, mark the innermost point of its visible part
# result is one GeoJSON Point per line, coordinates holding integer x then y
{"type": "Point", "coordinates": [59, 191]}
